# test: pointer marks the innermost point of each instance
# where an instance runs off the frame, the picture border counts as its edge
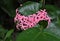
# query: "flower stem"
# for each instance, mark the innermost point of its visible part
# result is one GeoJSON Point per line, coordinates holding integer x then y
{"type": "Point", "coordinates": [43, 4]}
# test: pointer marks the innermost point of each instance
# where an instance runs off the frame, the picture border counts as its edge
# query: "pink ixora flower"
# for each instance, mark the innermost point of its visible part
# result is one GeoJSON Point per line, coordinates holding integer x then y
{"type": "Point", "coordinates": [25, 22]}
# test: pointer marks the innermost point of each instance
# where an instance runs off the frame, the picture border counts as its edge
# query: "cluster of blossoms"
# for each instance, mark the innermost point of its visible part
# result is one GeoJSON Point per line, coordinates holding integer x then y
{"type": "Point", "coordinates": [25, 22]}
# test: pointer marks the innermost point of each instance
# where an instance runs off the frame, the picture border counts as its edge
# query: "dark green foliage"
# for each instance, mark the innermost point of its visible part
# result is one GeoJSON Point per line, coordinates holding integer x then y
{"type": "Point", "coordinates": [39, 32]}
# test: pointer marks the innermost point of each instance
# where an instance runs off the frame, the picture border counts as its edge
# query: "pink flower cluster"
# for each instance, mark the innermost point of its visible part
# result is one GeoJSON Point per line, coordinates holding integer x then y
{"type": "Point", "coordinates": [25, 22]}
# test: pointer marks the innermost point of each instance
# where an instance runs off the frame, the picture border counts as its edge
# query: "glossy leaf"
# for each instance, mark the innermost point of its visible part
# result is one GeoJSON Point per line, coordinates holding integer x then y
{"type": "Point", "coordinates": [8, 34]}
{"type": "Point", "coordinates": [54, 27]}
{"type": "Point", "coordinates": [34, 34]}
{"type": "Point", "coordinates": [30, 8]}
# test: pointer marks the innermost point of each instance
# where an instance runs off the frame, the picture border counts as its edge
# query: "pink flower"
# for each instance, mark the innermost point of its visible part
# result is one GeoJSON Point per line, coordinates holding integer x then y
{"type": "Point", "coordinates": [25, 22]}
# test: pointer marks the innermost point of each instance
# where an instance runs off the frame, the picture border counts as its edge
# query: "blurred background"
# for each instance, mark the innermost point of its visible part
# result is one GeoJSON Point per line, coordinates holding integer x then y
{"type": "Point", "coordinates": [7, 14]}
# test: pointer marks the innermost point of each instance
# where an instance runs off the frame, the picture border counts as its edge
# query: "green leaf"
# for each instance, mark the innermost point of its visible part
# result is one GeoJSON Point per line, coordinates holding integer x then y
{"type": "Point", "coordinates": [54, 27]}
{"type": "Point", "coordinates": [9, 39]}
{"type": "Point", "coordinates": [53, 30]}
{"type": "Point", "coordinates": [1, 40]}
{"type": "Point", "coordinates": [29, 8]}
{"type": "Point", "coordinates": [52, 10]}
{"type": "Point", "coordinates": [8, 34]}
{"type": "Point", "coordinates": [2, 32]}
{"type": "Point", "coordinates": [34, 34]}
{"type": "Point", "coordinates": [54, 13]}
